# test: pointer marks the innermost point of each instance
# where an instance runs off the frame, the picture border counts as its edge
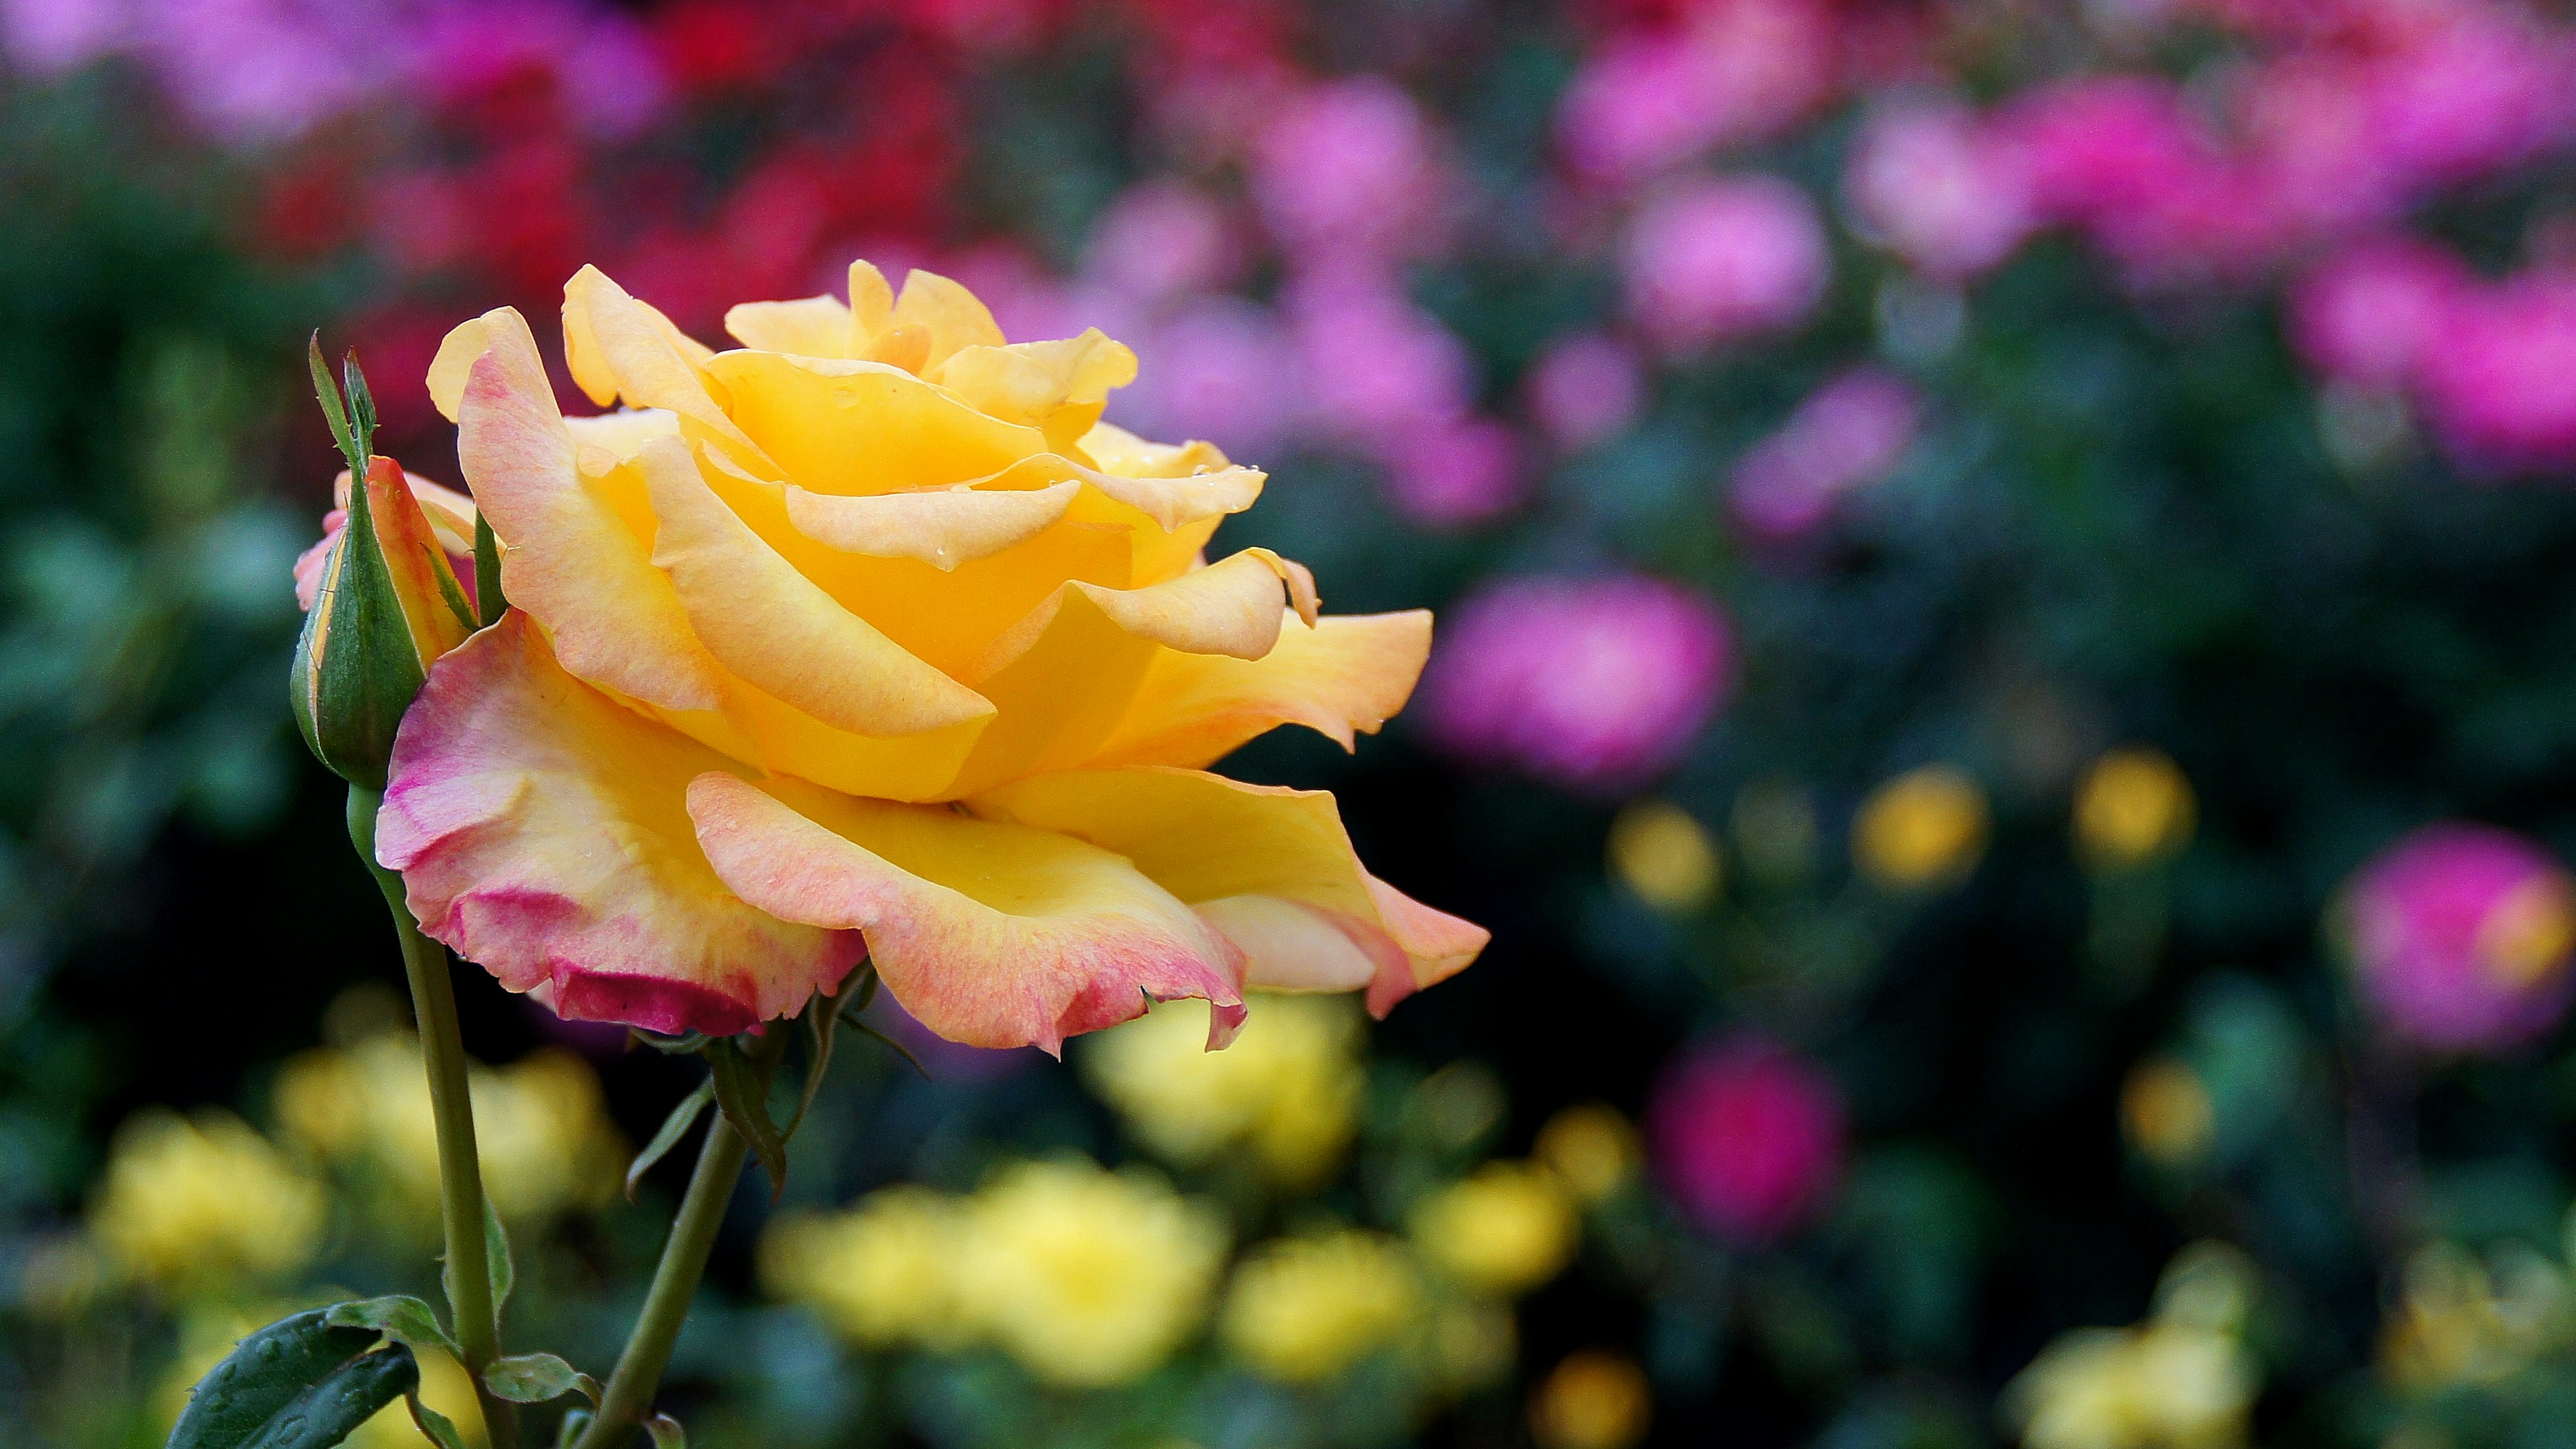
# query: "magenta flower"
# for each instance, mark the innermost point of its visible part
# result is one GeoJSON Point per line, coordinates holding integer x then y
{"type": "Point", "coordinates": [2500, 389]}
{"type": "Point", "coordinates": [1227, 374]}
{"type": "Point", "coordinates": [1457, 472]}
{"type": "Point", "coordinates": [1747, 1137]}
{"type": "Point", "coordinates": [1719, 259]}
{"type": "Point", "coordinates": [1593, 684]}
{"type": "Point", "coordinates": [1648, 101]}
{"type": "Point", "coordinates": [1160, 240]}
{"type": "Point", "coordinates": [1848, 434]}
{"type": "Point", "coordinates": [2370, 314]}
{"type": "Point", "coordinates": [1347, 169]}
{"type": "Point", "coordinates": [1584, 389]}
{"type": "Point", "coordinates": [1377, 367]}
{"type": "Point", "coordinates": [1939, 188]}
{"type": "Point", "coordinates": [2459, 936]}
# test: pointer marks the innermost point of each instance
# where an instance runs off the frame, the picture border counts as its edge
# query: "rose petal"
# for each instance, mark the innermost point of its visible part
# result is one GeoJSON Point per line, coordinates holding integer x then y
{"type": "Point", "coordinates": [855, 427]}
{"type": "Point", "coordinates": [807, 327]}
{"type": "Point", "coordinates": [941, 527]}
{"type": "Point", "coordinates": [953, 316]}
{"type": "Point", "coordinates": [991, 934]}
{"type": "Point", "coordinates": [618, 347]}
{"type": "Point", "coordinates": [1348, 673]}
{"type": "Point", "coordinates": [541, 829]}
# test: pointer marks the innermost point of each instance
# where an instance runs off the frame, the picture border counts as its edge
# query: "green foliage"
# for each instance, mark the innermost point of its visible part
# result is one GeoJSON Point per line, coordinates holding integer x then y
{"type": "Point", "coordinates": [303, 1382]}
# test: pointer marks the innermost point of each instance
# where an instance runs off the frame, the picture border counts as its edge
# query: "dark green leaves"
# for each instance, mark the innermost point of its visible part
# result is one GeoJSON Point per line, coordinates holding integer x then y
{"type": "Point", "coordinates": [353, 426]}
{"type": "Point", "coordinates": [666, 1432]}
{"type": "Point", "coordinates": [404, 1319]}
{"type": "Point", "coordinates": [487, 570]}
{"type": "Point", "coordinates": [674, 1127]}
{"type": "Point", "coordinates": [504, 1269]}
{"type": "Point", "coordinates": [742, 1094]}
{"type": "Point", "coordinates": [303, 1382]}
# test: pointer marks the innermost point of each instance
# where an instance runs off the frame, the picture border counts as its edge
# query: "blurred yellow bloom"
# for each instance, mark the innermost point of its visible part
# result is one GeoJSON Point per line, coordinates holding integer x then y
{"type": "Point", "coordinates": [883, 1273]}
{"type": "Point", "coordinates": [2458, 1323]}
{"type": "Point", "coordinates": [1926, 827]}
{"type": "Point", "coordinates": [1505, 1230]}
{"type": "Point", "coordinates": [2182, 1380]}
{"type": "Point", "coordinates": [546, 1143]}
{"type": "Point", "coordinates": [1086, 1276]}
{"type": "Point", "coordinates": [2167, 1112]}
{"type": "Point", "coordinates": [203, 1205]}
{"type": "Point", "coordinates": [1471, 1345]}
{"type": "Point", "coordinates": [2133, 808]}
{"type": "Point", "coordinates": [1288, 1089]}
{"type": "Point", "coordinates": [1593, 1400]}
{"type": "Point", "coordinates": [1305, 1309]}
{"type": "Point", "coordinates": [1664, 855]}
{"type": "Point", "coordinates": [1591, 1148]}
{"type": "Point", "coordinates": [2528, 932]}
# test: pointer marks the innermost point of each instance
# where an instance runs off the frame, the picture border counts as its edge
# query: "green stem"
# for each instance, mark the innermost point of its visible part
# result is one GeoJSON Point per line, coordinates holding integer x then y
{"type": "Point", "coordinates": [460, 1167]}
{"type": "Point", "coordinates": [629, 1396]}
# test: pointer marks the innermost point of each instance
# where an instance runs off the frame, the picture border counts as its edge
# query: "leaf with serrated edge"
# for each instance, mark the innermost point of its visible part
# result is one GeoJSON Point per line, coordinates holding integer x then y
{"type": "Point", "coordinates": [744, 1099]}
{"type": "Point", "coordinates": [674, 1127]}
{"type": "Point", "coordinates": [398, 1316]}
{"type": "Point", "coordinates": [531, 1378]}
{"type": "Point", "coordinates": [264, 1374]}
{"type": "Point", "coordinates": [350, 1395]}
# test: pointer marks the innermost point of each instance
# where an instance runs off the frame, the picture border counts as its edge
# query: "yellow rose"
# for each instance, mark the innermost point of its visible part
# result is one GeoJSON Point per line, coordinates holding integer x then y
{"type": "Point", "coordinates": [1304, 1309]}
{"type": "Point", "coordinates": [204, 1204]}
{"type": "Point", "coordinates": [1926, 827]}
{"type": "Point", "coordinates": [868, 629]}
{"type": "Point", "coordinates": [884, 1272]}
{"type": "Point", "coordinates": [1289, 1088]}
{"type": "Point", "coordinates": [1506, 1229]}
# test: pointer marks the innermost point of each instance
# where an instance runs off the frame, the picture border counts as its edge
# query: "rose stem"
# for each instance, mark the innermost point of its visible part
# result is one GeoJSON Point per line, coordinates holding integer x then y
{"type": "Point", "coordinates": [460, 1170]}
{"type": "Point", "coordinates": [629, 1396]}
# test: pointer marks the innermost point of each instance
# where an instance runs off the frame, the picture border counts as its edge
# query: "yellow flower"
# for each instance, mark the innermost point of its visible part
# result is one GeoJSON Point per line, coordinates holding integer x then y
{"type": "Point", "coordinates": [540, 1127]}
{"type": "Point", "coordinates": [1591, 1148]}
{"type": "Point", "coordinates": [1658, 851]}
{"type": "Point", "coordinates": [1288, 1089]}
{"type": "Point", "coordinates": [1924, 828]}
{"type": "Point", "coordinates": [1305, 1309]}
{"type": "Point", "coordinates": [1087, 1277]}
{"type": "Point", "coordinates": [1505, 1230]}
{"type": "Point", "coordinates": [203, 1205]}
{"type": "Point", "coordinates": [2134, 808]}
{"type": "Point", "coordinates": [1593, 1400]}
{"type": "Point", "coordinates": [2167, 1112]}
{"type": "Point", "coordinates": [2182, 1380]}
{"type": "Point", "coordinates": [884, 1273]}
{"type": "Point", "coordinates": [869, 635]}
{"type": "Point", "coordinates": [2457, 1323]}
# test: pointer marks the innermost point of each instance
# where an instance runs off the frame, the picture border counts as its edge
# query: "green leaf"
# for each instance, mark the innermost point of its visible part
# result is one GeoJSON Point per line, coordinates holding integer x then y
{"type": "Point", "coordinates": [568, 1431]}
{"type": "Point", "coordinates": [433, 1425]}
{"type": "Point", "coordinates": [743, 1096]}
{"type": "Point", "coordinates": [820, 1021]}
{"type": "Point", "coordinates": [350, 1395]}
{"type": "Point", "coordinates": [263, 1376]}
{"type": "Point", "coordinates": [674, 1127]}
{"type": "Point", "coordinates": [362, 407]}
{"type": "Point", "coordinates": [487, 569]}
{"type": "Point", "coordinates": [861, 1025]}
{"type": "Point", "coordinates": [398, 1316]}
{"type": "Point", "coordinates": [688, 1043]}
{"type": "Point", "coordinates": [496, 1256]}
{"type": "Point", "coordinates": [666, 1432]}
{"type": "Point", "coordinates": [356, 666]}
{"type": "Point", "coordinates": [533, 1378]}
{"type": "Point", "coordinates": [332, 412]}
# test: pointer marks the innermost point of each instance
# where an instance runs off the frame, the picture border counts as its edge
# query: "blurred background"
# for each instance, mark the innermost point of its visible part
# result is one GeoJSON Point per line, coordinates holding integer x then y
{"type": "Point", "coordinates": [2006, 684]}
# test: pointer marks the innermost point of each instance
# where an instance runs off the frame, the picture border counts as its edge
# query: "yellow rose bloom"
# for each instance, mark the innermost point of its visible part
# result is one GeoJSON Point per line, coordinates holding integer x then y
{"type": "Point", "coordinates": [1924, 828]}
{"type": "Point", "coordinates": [1288, 1089]}
{"type": "Point", "coordinates": [1302, 1310]}
{"type": "Point", "coordinates": [1087, 1277]}
{"type": "Point", "coordinates": [1504, 1230]}
{"type": "Point", "coordinates": [1592, 1149]}
{"type": "Point", "coordinates": [884, 1273]}
{"type": "Point", "coordinates": [867, 634]}
{"type": "Point", "coordinates": [203, 1204]}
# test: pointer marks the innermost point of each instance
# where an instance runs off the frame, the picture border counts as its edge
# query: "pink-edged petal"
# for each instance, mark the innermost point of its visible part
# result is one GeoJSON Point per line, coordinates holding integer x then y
{"type": "Point", "coordinates": [542, 830]}
{"type": "Point", "coordinates": [618, 347]}
{"type": "Point", "coordinates": [991, 934]}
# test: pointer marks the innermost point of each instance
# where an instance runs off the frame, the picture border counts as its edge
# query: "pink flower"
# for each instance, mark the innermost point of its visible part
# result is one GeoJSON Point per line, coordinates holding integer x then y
{"type": "Point", "coordinates": [2500, 389]}
{"type": "Point", "coordinates": [2370, 314]}
{"type": "Point", "coordinates": [1346, 168]}
{"type": "Point", "coordinates": [1737, 71]}
{"type": "Point", "coordinates": [1222, 370]}
{"type": "Point", "coordinates": [1455, 473]}
{"type": "Point", "coordinates": [1584, 389]}
{"type": "Point", "coordinates": [1593, 684]}
{"type": "Point", "coordinates": [1160, 240]}
{"type": "Point", "coordinates": [1747, 1137]}
{"type": "Point", "coordinates": [1719, 259]}
{"type": "Point", "coordinates": [1377, 367]}
{"type": "Point", "coordinates": [2475, 95]}
{"type": "Point", "coordinates": [1848, 434]}
{"type": "Point", "coordinates": [1939, 189]}
{"type": "Point", "coordinates": [2459, 937]}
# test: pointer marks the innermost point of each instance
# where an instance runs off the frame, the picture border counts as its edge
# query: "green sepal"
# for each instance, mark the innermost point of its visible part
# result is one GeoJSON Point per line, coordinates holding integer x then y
{"type": "Point", "coordinates": [398, 1316]}
{"type": "Point", "coordinates": [821, 1022]}
{"type": "Point", "coordinates": [434, 1426]}
{"type": "Point", "coordinates": [742, 1094]}
{"type": "Point", "coordinates": [666, 1432]}
{"type": "Point", "coordinates": [452, 594]}
{"type": "Point", "coordinates": [348, 1396]}
{"type": "Point", "coordinates": [533, 1378]}
{"type": "Point", "coordinates": [263, 1376]}
{"type": "Point", "coordinates": [674, 1127]}
{"type": "Point", "coordinates": [487, 569]}
{"type": "Point", "coordinates": [333, 412]}
{"type": "Point", "coordinates": [357, 668]}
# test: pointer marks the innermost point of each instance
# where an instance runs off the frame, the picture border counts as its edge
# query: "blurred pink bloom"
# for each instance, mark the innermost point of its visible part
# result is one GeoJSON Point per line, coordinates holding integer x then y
{"type": "Point", "coordinates": [2118, 158]}
{"type": "Point", "coordinates": [1454, 473]}
{"type": "Point", "coordinates": [1585, 388]}
{"type": "Point", "coordinates": [1377, 367]}
{"type": "Point", "coordinates": [2373, 311]}
{"type": "Point", "coordinates": [1733, 72]}
{"type": "Point", "coordinates": [1940, 189]}
{"type": "Point", "coordinates": [1747, 1137]}
{"type": "Point", "coordinates": [1159, 240]}
{"type": "Point", "coordinates": [1220, 368]}
{"type": "Point", "coordinates": [1594, 684]}
{"type": "Point", "coordinates": [2500, 389]}
{"type": "Point", "coordinates": [2478, 93]}
{"type": "Point", "coordinates": [47, 36]}
{"type": "Point", "coordinates": [2459, 937]}
{"type": "Point", "coordinates": [1848, 434]}
{"type": "Point", "coordinates": [1346, 168]}
{"type": "Point", "coordinates": [1718, 259]}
